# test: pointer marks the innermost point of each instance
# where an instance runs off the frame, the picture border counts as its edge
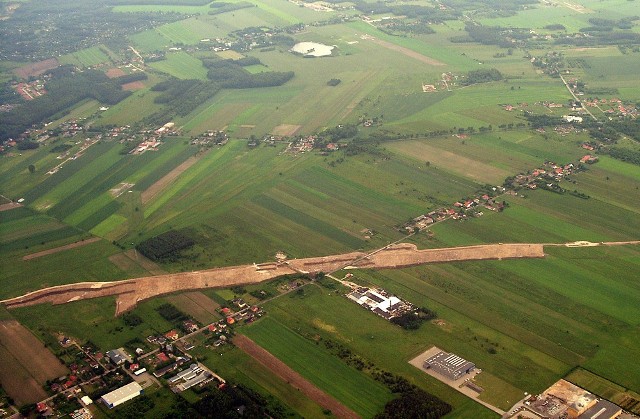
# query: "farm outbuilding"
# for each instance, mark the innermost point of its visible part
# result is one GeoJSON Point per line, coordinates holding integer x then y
{"type": "Point", "coordinates": [450, 365]}
{"type": "Point", "coordinates": [121, 395]}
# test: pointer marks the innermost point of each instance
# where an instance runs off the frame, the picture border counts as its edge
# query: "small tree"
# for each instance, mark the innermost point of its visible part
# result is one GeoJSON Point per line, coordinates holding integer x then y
{"type": "Point", "coordinates": [32, 168]}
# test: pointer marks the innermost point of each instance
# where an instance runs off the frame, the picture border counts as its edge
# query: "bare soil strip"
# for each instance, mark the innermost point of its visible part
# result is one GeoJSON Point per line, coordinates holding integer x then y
{"type": "Point", "coordinates": [9, 206]}
{"type": "Point", "coordinates": [153, 190]}
{"type": "Point", "coordinates": [61, 248]}
{"type": "Point", "coordinates": [133, 86]}
{"type": "Point", "coordinates": [286, 130]}
{"type": "Point", "coordinates": [131, 291]}
{"type": "Point", "coordinates": [407, 52]}
{"type": "Point", "coordinates": [294, 379]}
{"type": "Point", "coordinates": [35, 69]}
{"type": "Point", "coordinates": [112, 73]}
{"type": "Point", "coordinates": [27, 358]}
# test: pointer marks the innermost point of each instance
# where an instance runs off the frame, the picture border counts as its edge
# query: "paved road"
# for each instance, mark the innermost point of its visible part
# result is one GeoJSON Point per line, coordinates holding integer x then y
{"type": "Point", "coordinates": [576, 98]}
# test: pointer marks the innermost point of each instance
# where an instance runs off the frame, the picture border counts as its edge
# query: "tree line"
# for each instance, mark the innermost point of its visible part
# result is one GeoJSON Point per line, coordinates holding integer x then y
{"type": "Point", "coordinates": [63, 92]}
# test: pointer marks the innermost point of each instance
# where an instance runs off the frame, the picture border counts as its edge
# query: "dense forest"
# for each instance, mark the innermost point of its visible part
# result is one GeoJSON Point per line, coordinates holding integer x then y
{"type": "Point", "coordinates": [482, 76]}
{"type": "Point", "coordinates": [166, 246]}
{"type": "Point", "coordinates": [230, 74]}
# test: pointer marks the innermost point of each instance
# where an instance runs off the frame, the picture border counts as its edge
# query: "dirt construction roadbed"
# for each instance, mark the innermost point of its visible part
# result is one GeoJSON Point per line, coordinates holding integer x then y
{"type": "Point", "coordinates": [131, 291]}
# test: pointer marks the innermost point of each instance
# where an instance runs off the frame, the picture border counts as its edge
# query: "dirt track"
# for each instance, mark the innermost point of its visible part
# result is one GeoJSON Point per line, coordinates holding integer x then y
{"type": "Point", "coordinates": [131, 291]}
{"type": "Point", "coordinates": [407, 52]}
{"type": "Point", "coordinates": [166, 180]}
{"type": "Point", "coordinates": [61, 248]}
{"type": "Point", "coordinates": [281, 369]}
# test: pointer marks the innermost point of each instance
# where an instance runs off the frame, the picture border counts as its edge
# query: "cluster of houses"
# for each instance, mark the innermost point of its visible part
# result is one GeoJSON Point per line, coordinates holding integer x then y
{"type": "Point", "coordinates": [147, 140]}
{"type": "Point", "coordinates": [547, 176]}
{"type": "Point", "coordinates": [380, 302]}
{"type": "Point", "coordinates": [246, 313]}
{"type": "Point", "coordinates": [460, 210]}
{"type": "Point", "coordinates": [209, 138]}
{"type": "Point", "coordinates": [613, 107]}
{"type": "Point", "coordinates": [30, 90]}
{"type": "Point", "coordinates": [301, 144]}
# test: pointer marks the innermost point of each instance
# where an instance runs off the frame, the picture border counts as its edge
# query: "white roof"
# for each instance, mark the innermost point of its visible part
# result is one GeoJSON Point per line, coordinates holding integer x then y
{"type": "Point", "coordinates": [86, 400]}
{"type": "Point", "coordinates": [122, 394]}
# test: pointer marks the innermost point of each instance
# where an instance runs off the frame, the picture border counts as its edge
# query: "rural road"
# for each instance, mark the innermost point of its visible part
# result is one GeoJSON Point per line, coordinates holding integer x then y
{"type": "Point", "coordinates": [392, 256]}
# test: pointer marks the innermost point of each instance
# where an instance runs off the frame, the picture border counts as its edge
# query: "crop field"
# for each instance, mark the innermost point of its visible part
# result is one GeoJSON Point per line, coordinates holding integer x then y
{"type": "Point", "coordinates": [319, 367]}
{"type": "Point", "coordinates": [574, 313]}
{"type": "Point", "coordinates": [197, 305]}
{"type": "Point", "coordinates": [181, 65]}
{"type": "Point", "coordinates": [236, 365]}
{"type": "Point", "coordinates": [25, 364]}
{"type": "Point", "coordinates": [331, 316]}
{"type": "Point", "coordinates": [138, 105]}
{"type": "Point", "coordinates": [150, 40]}
{"type": "Point", "coordinates": [86, 57]}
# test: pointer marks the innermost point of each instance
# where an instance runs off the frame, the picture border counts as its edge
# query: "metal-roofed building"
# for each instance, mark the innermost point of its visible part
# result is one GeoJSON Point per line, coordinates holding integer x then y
{"type": "Point", "coordinates": [603, 409]}
{"type": "Point", "coordinates": [450, 365]}
{"type": "Point", "coordinates": [121, 395]}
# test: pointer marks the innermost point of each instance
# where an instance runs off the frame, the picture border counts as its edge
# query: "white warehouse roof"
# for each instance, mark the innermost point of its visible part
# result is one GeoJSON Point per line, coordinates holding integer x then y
{"type": "Point", "coordinates": [122, 394]}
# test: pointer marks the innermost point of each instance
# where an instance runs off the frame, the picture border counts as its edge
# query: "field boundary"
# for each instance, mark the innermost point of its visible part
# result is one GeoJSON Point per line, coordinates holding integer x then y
{"type": "Point", "coordinates": [61, 248]}
{"type": "Point", "coordinates": [294, 379]}
{"type": "Point", "coordinates": [155, 189]}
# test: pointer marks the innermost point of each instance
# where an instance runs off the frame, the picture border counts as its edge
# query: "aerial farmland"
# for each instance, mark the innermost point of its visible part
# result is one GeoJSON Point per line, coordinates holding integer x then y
{"type": "Point", "coordinates": [314, 209]}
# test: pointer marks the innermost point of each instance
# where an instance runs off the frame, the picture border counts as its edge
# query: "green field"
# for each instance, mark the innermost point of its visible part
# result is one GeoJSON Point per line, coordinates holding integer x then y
{"type": "Point", "coordinates": [181, 65]}
{"type": "Point", "coordinates": [526, 323]}
{"type": "Point", "coordinates": [87, 57]}
{"type": "Point", "coordinates": [322, 369]}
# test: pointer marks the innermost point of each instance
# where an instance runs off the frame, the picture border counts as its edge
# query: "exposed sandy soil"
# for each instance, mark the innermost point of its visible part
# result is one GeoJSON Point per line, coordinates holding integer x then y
{"type": "Point", "coordinates": [286, 130]}
{"type": "Point", "coordinates": [166, 180]}
{"type": "Point", "coordinates": [407, 52]}
{"type": "Point", "coordinates": [131, 291]}
{"type": "Point", "coordinates": [25, 363]}
{"type": "Point", "coordinates": [294, 379]}
{"type": "Point", "coordinates": [9, 206]}
{"type": "Point", "coordinates": [133, 86]}
{"type": "Point", "coordinates": [112, 73]}
{"type": "Point", "coordinates": [61, 248]}
{"type": "Point", "coordinates": [36, 69]}
{"type": "Point", "coordinates": [197, 305]}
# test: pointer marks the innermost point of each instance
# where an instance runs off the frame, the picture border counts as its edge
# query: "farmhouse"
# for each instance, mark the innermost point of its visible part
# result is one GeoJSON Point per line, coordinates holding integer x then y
{"type": "Point", "coordinates": [380, 302]}
{"type": "Point", "coordinates": [117, 356]}
{"type": "Point", "coordinates": [121, 395]}
{"type": "Point", "coordinates": [449, 365]}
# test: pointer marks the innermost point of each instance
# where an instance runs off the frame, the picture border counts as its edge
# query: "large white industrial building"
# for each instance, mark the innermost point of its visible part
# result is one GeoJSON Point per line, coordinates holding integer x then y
{"type": "Point", "coordinates": [121, 395]}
